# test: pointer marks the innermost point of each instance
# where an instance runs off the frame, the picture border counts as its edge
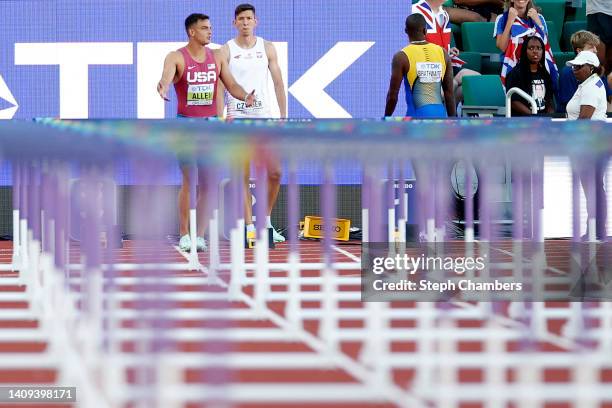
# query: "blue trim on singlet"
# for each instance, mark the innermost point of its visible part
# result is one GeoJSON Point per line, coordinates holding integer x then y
{"type": "Point", "coordinates": [410, 110]}
{"type": "Point", "coordinates": [431, 111]}
{"type": "Point", "coordinates": [427, 111]}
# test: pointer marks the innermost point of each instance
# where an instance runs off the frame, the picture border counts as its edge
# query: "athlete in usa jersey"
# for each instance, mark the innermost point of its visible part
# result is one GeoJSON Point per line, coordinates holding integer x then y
{"type": "Point", "coordinates": [252, 60]}
{"type": "Point", "coordinates": [196, 90]}
{"type": "Point", "coordinates": [195, 71]}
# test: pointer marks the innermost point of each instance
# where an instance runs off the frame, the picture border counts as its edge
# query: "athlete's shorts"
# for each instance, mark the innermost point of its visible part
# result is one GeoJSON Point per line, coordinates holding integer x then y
{"type": "Point", "coordinates": [184, 161]}
{"type": "Point", "coordinates": [430, 111]}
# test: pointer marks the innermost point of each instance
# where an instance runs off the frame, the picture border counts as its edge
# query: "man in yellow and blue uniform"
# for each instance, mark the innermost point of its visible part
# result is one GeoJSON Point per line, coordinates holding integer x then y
{"type": "Point", "coordinates": [426, 71]}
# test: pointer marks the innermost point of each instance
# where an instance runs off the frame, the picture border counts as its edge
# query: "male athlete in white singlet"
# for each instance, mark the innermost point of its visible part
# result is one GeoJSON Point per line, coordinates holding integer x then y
{"type": "Point", "coordinates": [250, 58]}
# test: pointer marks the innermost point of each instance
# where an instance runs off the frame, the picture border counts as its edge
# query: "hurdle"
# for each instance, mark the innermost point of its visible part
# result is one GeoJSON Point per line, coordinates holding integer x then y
{"type": "Point", "coordinates": [109, 316]}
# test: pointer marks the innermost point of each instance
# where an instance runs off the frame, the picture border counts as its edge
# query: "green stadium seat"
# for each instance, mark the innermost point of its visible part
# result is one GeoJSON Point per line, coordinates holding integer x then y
{"type": "Point", "coordinates": [569, 28]}
{"type": "Point", "coordinates": [553, 10]}
{"type": "Point", "coordinates": [562, 57]}
{"type": "Point", "coordinates": [554, 36]}
{"type": "Point", "coordinates": [489, 67]}
{"type": "Point", "coordinates": [473, 60]}
{"type": "Point", "coordinates": [456, 34]}
{"type": "Point", "coordinates": [483, 95]}
{"type": "Point", "coordinates": [478, 37]}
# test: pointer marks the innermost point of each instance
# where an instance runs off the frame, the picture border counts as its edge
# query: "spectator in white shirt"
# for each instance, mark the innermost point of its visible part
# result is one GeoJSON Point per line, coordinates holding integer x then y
{"type": "Point", "coordinates": [589, 101]}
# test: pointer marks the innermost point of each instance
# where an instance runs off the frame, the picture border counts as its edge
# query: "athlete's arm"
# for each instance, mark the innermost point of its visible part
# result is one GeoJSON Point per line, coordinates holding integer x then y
{"type": "Point", "coordinates": [230, 83]}
{"type": "Point", "coordinates": [277, 78]}
{"type": "Point", "coordinates": [447, 87]}
{"type": "Point", "coordinates": [168, 74]}
{"type": "Point", "coordinates": [220, 99]}
{"type": "Point", "coordinates": [399, 67]}
{"type": "Point", "coordinates": [224, 54]}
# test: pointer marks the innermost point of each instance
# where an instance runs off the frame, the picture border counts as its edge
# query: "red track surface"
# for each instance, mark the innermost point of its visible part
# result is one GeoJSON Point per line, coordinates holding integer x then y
{"type": "Point", "coordinates": [219, 321]}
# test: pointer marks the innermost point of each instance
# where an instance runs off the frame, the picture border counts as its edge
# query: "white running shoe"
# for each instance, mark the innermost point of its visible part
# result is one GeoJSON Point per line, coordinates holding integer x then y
{"type": "Point", "coordinates": [201, 244]}
{"type": "Point", "coordinates": [276, 236]}
{"type": "Point", "coordinates": [185, 243]}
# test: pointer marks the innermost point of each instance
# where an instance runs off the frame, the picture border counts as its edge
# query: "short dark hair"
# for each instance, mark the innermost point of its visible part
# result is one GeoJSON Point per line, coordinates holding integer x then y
{"type": "Point", "coordinates": [244, 7]}
{"type": "Point", "coordinates": [194, 18]}
{"type": "Point", "coordinates": [414, 24]}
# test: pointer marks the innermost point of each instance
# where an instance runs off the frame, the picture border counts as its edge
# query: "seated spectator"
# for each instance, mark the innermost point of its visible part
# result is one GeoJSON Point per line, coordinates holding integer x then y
{"type": "Point", "coordinates": [519, 21]}
{"type": "Point", "coordinates": [581, 40]}
{"type": "Point", "coordinates": [439, 33]}
{"type": "Point", "coordinates": [475, 11]}
{"type": "Point", "coordinates": [531, 76]}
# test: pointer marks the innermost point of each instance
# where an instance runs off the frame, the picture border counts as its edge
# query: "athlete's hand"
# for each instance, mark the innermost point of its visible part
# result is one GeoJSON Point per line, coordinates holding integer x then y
{"type": "Point", "coordinates": [453, 51]}
{"type": "Point", "coordinates": [162, 90]}
{"type": "Point", "coordinates": [512, 14]}
{"type": "Point", "coordinates": [250, 99]}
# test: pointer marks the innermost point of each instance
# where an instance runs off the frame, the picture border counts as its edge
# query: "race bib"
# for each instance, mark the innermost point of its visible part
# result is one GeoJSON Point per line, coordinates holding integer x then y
{"type": "Point", "coordinates": [198, 95]}
{"type": "Point", "coordinates": [257, 106]}
{"type": "Point", "coordinates": [429, 71]}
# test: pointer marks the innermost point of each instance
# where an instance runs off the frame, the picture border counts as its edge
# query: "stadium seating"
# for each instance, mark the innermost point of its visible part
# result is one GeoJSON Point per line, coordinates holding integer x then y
{"type": "Point", "coordinates": [561, 57]}
{"type": "Point", "coordinates": [553, 10]}
{"type": "Point", "coordinates": [483, 95]}
{"type": "Point", "coordinates": [473, 60]}
{"type": "Point", "coordinates": [579, 13]}
{"type": "Point", "coordinates": [479, 51]}
{"type": "Point", "coordinates": [569, 28]}
{"type": "Point", "coordinates": [478, 37]}
{"type": "Point", "coordinates": [456, 36]}
{"type": "Point", "coordinates": [554, 35]}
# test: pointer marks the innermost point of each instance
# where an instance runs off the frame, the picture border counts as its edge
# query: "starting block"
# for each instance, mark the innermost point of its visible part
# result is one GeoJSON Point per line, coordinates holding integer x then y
{"type": "Point", "coordinates": [314, 228]}
{"type": "Point", "coordinates": [250, 239]}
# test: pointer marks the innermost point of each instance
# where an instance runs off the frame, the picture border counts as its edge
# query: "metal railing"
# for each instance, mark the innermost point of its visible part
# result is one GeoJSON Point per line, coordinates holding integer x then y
{"type": "Point", "coordinates": [524, 95]}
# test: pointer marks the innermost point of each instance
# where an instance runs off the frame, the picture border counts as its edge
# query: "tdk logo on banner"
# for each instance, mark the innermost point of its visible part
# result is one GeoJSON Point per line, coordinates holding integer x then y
{"type": "Point", "coordinates": [95, 60]}
{"type": "Point", "coordinates": [74, 60]}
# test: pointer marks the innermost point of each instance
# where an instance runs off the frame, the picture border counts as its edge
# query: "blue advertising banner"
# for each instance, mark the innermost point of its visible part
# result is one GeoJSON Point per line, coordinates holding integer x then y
{"type": "Point", "coordinates": [103, 58]}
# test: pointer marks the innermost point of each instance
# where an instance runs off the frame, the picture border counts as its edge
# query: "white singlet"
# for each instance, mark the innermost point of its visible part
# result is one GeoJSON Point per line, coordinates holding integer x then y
{"type": "Point", "coordinates": [250, 69]}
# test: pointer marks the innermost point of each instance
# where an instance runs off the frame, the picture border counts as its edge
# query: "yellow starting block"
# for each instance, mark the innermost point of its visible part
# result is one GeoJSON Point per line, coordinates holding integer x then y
{"type": "Point", "coordinates": [250, 239]}
{"type": "Point", "coordinates": [313, 228]}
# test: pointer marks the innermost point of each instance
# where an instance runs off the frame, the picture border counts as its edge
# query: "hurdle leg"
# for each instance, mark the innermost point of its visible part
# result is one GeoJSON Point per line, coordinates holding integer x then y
{"type": "Point", "coordinates": [237, 235]}
{"type": "Point", "coordinates": [194, 262]}
{"type": "Point", "coordinates": [292, 309]}
{"type": "Point", "coordinates": [261, 247]}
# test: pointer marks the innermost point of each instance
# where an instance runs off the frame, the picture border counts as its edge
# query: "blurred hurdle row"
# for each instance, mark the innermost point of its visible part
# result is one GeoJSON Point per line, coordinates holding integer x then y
{"type": "Point", "coordinates": [78, 291]}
